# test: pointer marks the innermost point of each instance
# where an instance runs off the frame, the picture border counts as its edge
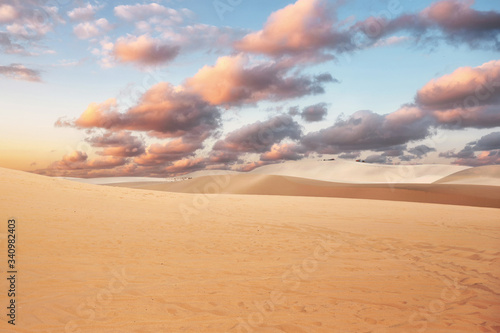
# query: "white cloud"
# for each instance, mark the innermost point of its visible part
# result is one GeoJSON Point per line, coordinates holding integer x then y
{"type": "Point", "coordinates": [86, 30]}
{"type": "Point", "coordinates": [86, 13]}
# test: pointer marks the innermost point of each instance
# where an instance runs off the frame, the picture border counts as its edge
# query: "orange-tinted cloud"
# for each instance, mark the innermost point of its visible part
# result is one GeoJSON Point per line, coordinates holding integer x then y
{"type": "Point", "coordinates": [78, 164]}
{"type": "Point", "coordinates": [305, 27]}
{"type": "Point", "coordinates": [144, 50]}
{"type": "Point", "coordinates": [171, 151]}
{"type": "Point", "coordinates": [466, 85]}
{"type": "Point", "coordinates": [284, 151]}
{"type": "Point", "coordinates": [119, 144]}
{"type": "Point", "coordinates": [484, 151]}
{"type": "Point", "coordinates": [234, 80]}
{"type": "Point", "coordinates": [250, 166]}
{"type": "Point", "coordinates": [162, 111]}
{"type": "Point", "coordinates": [186, 165]}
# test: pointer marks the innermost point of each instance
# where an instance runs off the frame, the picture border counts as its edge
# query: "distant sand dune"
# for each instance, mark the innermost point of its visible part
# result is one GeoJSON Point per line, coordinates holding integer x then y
{"type": "Point", "coordinates": [470, 195]}
{"type": "Point", "coordinates": [353, 172]}
{"type": "Point", "coordinates": [484, 175]}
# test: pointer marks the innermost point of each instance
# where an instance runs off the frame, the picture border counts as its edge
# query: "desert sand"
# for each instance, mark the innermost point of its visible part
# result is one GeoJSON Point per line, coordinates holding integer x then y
{"type": "Point", "coordinates": [97, 258]}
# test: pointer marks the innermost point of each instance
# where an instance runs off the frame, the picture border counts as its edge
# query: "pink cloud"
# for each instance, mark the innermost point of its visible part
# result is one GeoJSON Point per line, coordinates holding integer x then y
{"type": "Point", "coordinates": [478, 84]}
{"type": "Point", "coordinates": [454, 21]}
{"type": "Point", "coordinates": [20, 72]}
{"type": "Point", "coordinates": [144, 50]}
{"type": "Point", "coordinates": [8, 13]}
{"type": "Point", "coordinates": [250, 166]}
{"type": "Point", "coordinates": [483, 158]}
{"type": "Point", "coordinates": [186, 165]}
{"type": "Point", "coordinates": [78, 162]}
{"type": "Point", "coordinates": [285, 151]}
{"type": "Point", "coordinates": [303, 27]}
{"type": "Point", "coordinates": [118, 144]}
{"type": "Point", "coordinates": [171, 151]}
{"type": "Point", "coordinates": [162, 111]}
{"type": "Point", "coordinates": [235, 80]}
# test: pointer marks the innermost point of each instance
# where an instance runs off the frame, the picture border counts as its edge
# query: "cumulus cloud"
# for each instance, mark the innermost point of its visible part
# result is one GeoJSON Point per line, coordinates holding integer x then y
{"type": "Point", "coordinates": [421, 150]}
{"type": "Point", "coordinates": [250, 166]}
{"type": "Point", "coordinates": [118, 144]}
{"type": "Point", "coordinates": [483, 158]}
{"type": "Point", "coordinates": [366, 130]}
{"type": "Point", "coordinates": [488, 147]}
{"type": "Point", "coordinates": [173, 150]}
{"type": "Point", "coordinates": [454, 21]}
{"type": "Point", "coordinates": [24, 24]}
{"type": "Point", "coordinates": [162, 111]}
{"type": "Point", "coordinates": [285, 151]}
{"type": "Point", "coordinates": [29, 21]}
{"type": "Point", "coordinates": [466, 86]}
{"type": "Point", "coordinates": [234, 80]}
{"type": "Point", "coordinates": [260, 136]}
{"type": "Point", "coordinates": [8, 13]}
{"type": "Point", "coordinates": [19, 72]}
{"type": "Point", "coordinates": [186, 165]}
{"type": "Point", "coordinates": [86, 13]}
{"type": "Point", "coordinates": [86, 30]}
{"type": "Point", "coordinates": [468, 97]}
{"type": "Point", "coordinates": [305, 27]}
{"type": "Point", "coordinates": [308, 31]}
{"type": "Point", "coordinates": [315, 112]}
{"type": "Point", "coordinates": [144, 50]}
{"type": "Point", "coordinates": [78, 163]}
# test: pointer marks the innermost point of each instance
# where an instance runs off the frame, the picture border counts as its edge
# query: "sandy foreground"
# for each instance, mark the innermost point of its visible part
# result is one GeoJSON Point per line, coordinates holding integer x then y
{"type": "Point", "coordinates": [113, 259]}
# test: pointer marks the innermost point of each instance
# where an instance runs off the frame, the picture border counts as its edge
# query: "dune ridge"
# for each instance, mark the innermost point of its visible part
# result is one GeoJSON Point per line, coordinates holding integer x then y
{"type": "Point", "coordinates": [483, 175]}
{"type": "Point", "coordinates": [353, 172]}
{"type": "Point", "coordinates": [258, 184]}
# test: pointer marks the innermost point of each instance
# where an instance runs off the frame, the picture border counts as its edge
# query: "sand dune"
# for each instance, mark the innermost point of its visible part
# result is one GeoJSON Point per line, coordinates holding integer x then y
{"type": "Point", "coordinates": [484, 175]}
{"type": "Point", "coordinates": [108, 259]}
{"type": "Point", "coordinates": [115, 180]}
{"type": "Point", "coordinates": [470, 195]}
{"type": "Point", "coordinates": [352, 172]}
{"type": "Point", "coordinates": [331, 171]}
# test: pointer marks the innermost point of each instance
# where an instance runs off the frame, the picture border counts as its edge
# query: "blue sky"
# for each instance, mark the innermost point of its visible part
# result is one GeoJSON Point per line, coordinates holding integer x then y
{"type": "Point", "coordinates": [246, 74]}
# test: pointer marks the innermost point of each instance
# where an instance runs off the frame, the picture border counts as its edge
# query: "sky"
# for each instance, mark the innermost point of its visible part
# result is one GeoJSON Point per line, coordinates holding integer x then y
{"type": "Point", "coordinates": [130, 88]}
